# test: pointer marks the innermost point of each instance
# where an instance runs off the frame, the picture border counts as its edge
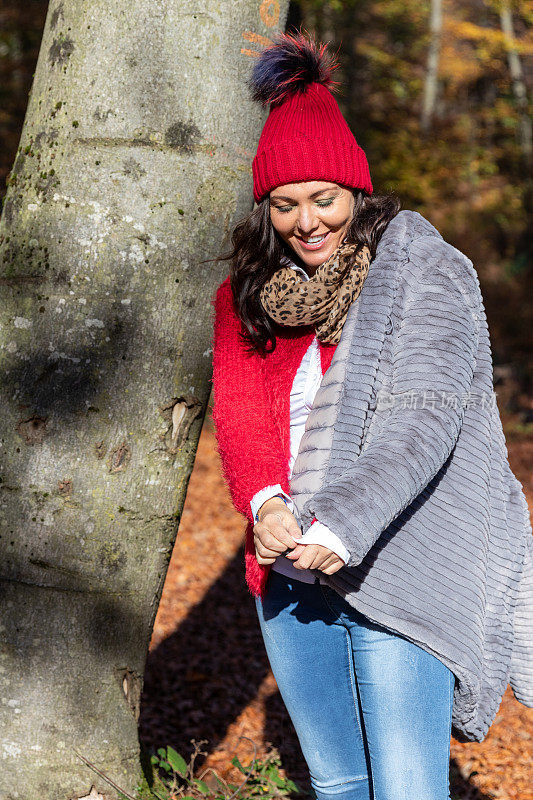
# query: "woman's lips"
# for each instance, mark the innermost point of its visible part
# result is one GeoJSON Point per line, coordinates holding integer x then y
{"type": "Point", "coordinates": [316, 246]}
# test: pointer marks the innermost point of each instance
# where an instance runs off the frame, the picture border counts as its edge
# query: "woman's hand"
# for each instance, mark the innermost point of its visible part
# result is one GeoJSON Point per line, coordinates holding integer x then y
{"type": "Point", "coordinates": [275, 531]}
{"type": "Point", "coordinates": [316, 556]}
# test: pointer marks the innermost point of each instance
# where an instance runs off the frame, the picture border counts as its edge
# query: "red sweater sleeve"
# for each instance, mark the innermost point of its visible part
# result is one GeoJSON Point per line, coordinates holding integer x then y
{"type": "Point", "coordinates": [247, 438]}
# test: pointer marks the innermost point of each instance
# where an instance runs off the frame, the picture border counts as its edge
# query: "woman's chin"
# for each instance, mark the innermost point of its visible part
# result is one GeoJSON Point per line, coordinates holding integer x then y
{"type": "Point", "coordinates": [316, 258]}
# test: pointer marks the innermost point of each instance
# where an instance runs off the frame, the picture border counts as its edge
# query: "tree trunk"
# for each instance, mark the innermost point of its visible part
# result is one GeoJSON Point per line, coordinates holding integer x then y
{"type": "Point", "coordinates": [525, 134]}
{"type": "Point", "coordinates": [432, 69]}
{"type": "Point", "coordinates": [133, 164]}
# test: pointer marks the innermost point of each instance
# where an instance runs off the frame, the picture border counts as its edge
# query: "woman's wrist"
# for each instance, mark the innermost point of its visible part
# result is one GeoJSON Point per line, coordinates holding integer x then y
{"type": "Point", "coordinates": [273, 503]}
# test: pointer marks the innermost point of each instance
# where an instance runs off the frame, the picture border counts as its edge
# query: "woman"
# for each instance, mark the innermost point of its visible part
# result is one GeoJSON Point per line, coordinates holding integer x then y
{"type": "Point", "coordinates": [388, 545]}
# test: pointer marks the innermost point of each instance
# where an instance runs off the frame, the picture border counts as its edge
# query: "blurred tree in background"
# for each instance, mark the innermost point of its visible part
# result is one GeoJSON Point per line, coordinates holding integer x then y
{"type": "Point", "coordinates": [436, 92]}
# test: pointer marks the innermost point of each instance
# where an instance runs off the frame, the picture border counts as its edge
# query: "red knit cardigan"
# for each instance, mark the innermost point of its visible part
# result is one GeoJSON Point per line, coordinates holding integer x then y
{"type": "Point", "coordinates": [251, 413]}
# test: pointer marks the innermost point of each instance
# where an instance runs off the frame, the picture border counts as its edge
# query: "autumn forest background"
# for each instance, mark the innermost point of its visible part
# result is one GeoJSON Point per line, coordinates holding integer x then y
{"type": "Point", "coordinates": [438, 97]}
{"type": "Point", "coordinates": [444, 117]}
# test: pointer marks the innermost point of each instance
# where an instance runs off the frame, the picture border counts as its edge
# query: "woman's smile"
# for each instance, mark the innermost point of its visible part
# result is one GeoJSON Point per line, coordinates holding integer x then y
{"type": "Point", "coordinates": [314, 242]}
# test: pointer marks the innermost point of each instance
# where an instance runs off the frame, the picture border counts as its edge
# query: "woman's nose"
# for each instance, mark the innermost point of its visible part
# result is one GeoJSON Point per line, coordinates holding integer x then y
{"type": "Point", "coordinates": [307, 220]}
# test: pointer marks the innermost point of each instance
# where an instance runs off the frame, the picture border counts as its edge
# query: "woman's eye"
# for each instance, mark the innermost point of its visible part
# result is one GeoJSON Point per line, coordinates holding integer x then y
{"type": "Point", "coordinates": [321, 203]}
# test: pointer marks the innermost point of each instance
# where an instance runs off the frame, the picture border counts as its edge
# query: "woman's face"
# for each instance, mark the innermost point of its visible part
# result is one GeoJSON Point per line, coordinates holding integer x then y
{"type": "Point", "coordinates": [312, 217]}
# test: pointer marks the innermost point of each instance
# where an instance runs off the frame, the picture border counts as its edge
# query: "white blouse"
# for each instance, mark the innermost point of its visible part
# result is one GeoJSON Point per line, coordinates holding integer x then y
{"type": "Point", "coordinates": [305, 385]}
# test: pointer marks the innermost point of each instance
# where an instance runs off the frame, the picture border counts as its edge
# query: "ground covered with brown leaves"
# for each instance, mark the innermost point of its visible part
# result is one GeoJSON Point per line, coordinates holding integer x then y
{"type": "Point", "coordinates": [208, 677]}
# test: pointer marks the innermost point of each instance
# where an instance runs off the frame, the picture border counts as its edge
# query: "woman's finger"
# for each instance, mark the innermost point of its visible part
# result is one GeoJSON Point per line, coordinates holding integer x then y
{"type": "Point", "coordinates": [264, 561]}
{"type": "Point", "coordinates": [297, 552]}
{"type": "Point", "coordinates": [263, 555]}
{"type": "Point", "coordinates": [274, 529]}
{"type": "Point", "coordinates": [263, 535]}
{"type": "Point", "coordinates": [335, 567]}
{"type": "Point", "coordinates": [291, 524]}
{"type": "Point", "coordinates": [327, 561]}
{"type": "Point", "coordinates": [317, 556]}
{"type": "Point", "coordinates": [308, 556]}
{"type": "Point", "coordinates": [285, 528]}
{"type": "Point", "coordinates": [264, 551]}
{"type": "Point", "coordinates": [322, 559]}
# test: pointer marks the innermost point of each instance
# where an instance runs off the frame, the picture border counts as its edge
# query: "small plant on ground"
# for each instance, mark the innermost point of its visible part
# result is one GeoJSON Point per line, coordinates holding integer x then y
{"type": "Point", "coordinates": [174, 778]}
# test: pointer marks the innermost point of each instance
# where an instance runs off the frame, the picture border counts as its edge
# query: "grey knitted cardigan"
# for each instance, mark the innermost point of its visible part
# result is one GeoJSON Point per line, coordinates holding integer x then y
{"type": "Point", "coordinates": [404, 457]}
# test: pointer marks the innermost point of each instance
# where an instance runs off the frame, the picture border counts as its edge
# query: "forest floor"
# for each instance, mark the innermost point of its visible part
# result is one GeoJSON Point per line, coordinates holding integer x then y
{"type": "Point", "coordinates": [208, 677]}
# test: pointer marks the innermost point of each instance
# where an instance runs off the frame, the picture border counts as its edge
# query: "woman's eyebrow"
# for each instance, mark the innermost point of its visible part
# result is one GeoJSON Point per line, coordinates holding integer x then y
{"type": "Point", "coordinates": [315, 194]}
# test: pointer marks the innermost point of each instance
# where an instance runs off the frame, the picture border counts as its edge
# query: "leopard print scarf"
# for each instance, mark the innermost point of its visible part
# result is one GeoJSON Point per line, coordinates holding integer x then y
{"type": "Point", "coordinates": [324, 299]}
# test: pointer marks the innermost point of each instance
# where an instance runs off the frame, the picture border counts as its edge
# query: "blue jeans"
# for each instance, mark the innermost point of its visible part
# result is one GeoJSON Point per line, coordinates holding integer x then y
{"type": "Point", "coordinates": [372, 711]}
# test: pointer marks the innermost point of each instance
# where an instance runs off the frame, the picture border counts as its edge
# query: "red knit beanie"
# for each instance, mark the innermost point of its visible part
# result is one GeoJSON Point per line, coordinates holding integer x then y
{"type": "Point", "coordinates": [305, 136]}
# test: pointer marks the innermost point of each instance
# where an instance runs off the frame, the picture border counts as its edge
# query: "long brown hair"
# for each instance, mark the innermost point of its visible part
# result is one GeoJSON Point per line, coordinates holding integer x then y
{"type": "Point", "coordinates": [258, 248]}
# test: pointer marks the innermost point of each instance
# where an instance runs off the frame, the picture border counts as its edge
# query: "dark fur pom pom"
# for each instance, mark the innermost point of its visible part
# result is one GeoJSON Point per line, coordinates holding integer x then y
{"type": "Point", "coordinates": [288, 65]}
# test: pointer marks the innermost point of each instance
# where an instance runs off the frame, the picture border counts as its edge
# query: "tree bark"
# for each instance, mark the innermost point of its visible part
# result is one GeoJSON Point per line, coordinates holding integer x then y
{"type": "Point", "coordinates": [133, 164]}
{"type": "Point", "coordinates": [432, 68]}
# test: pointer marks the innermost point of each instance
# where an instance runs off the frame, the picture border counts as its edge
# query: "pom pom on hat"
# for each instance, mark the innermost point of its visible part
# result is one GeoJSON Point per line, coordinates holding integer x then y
{"type": "Point", "coordinates": [305, 136]}
{"type": "Point", "coordinates": [288, 66]}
